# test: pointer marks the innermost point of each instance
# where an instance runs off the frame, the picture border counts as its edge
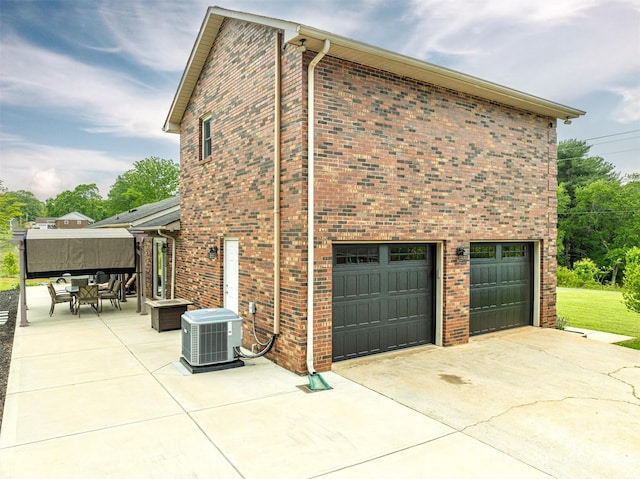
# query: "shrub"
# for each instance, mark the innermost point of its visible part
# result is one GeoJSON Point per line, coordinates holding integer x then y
{"type": "Point", "coordinates": [585, 274]}
{"type": "Point", "coordinates": [565, 277]}
{"type": "Point", "coordinates": [586, 271]}
{"type": "Point", "coordinates": [631, 290]}
{"type": "Point", "coordinates": [10, 264]}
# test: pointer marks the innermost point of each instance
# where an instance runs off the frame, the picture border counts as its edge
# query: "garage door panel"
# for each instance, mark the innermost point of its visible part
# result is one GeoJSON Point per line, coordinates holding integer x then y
{"type": "Point", "coordinates": [484, 299]}
{"type": "Point", "coordinates": [373, 342]}
{"type": "Point", "coordinates": [369, 313]}
{"type": "Point", "coordinates": [484, 275]}
{"type": "Point", "coordinates": [484, 321]}
{"type": "Point", "coordinates": [384, 304]}
{"type": "Point", "coordinates": [407, 307]}
{"type": "Point", "coordinates": [514, 295]}
{"type": "Point", "coordinates": [514, 273]}
{"type": "Point", "coordinates": [501, 287]}
{"type": "Point", "coordinates": [356, 343]}
{"type": "Point", "coordinates": [406, 281]}
{"type": "Point", "coordinates": [339, 316]}
{"type": "Point", "coordinates": [352, 286]}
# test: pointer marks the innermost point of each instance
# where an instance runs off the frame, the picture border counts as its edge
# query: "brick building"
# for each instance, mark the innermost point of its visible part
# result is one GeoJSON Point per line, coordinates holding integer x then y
{"type": "Point", "coordinates": [433, 193]}
{"type": "Point", "coordinates": [73, 220]}
{"type": "Point", "coordinates": [158, 224]}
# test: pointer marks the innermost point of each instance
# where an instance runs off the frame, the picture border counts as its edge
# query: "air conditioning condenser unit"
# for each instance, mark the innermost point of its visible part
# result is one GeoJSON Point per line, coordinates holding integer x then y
{"type": "Point", "coordinates": [209, 336]}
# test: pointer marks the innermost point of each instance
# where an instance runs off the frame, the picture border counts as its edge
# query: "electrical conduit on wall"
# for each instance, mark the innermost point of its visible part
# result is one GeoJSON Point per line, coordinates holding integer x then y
{"type": "Point", "coordinates": [310, 201]}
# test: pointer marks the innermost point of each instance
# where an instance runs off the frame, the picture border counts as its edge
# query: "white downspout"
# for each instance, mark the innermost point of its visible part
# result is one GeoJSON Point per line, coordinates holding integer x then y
{"type": "Point", "coordinates": [276, 187]}
{"type": "Point", "coordinates": [173, 263]}
{"type": "Point", "coordinates": [310, 201]}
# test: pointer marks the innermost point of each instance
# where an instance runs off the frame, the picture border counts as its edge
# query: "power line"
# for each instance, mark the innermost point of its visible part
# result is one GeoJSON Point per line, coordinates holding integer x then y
{"type": "Point", "coordinates": [620, 151]}
{"type": "Point", "coordinates": [613, 134]}
{"type": "Point", "coordinates": [584, 158]}
{"type": "Point", "coordinates": [615, 141]}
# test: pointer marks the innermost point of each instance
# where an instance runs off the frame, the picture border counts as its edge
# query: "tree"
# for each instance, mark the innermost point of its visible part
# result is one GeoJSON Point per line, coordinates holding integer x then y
{"type": "Point", "coordinates": [150, 180]}
{"type": "Point", "coordinates": [32, 206]}
{"type": "Point", "coordinates": [564, 225]}
{"type": "Point", "coordinates": [576, 169]}
{"type": "Point", "coordinates": [591, 209]}
{"type": "Point", "coordinates": [631, 291]}
{"type": "Point", "coordinates": [84, 199]}
{"type": "Point", "coordinates": [9, 209]}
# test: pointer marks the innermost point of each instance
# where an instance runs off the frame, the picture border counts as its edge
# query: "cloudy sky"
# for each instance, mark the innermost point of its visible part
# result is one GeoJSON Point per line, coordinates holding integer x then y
{"type": "Point", "coordinates": [85, 85]}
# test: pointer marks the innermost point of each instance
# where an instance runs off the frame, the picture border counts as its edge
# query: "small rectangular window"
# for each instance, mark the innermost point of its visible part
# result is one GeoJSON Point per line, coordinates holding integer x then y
{"type": "Point", "coordinates": [514, 251]}
{"type": "Point", "coordinates": [357, 254]}
{"type": "Point", "coordinates": [408, 253]}
{"type": "Point", "coordinates": [206, 137]}
{"type": "Point", "coordinates": [483, 251]}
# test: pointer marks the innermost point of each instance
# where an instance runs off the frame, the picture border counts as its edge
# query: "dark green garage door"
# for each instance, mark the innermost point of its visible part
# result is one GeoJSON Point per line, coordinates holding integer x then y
{"type": "Point", "coordinates": [383, 298]}
{"type": "Point", "coordinates": [501, 286]}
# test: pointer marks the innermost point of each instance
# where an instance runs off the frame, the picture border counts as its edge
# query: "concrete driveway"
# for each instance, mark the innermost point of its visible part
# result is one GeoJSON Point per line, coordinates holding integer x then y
{"type": "Point", "coordinates": [104, 396]}
{"type": "Point", "coordinates": [563, 404]}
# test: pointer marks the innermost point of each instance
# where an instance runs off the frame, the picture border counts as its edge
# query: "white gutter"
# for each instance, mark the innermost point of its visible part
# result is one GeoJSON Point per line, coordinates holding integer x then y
{"type": "Point", "coordinates": [173, 263]}
{"type": "Point", "coordinates": [310, 201]}
{"type": "Point", "coordinates": [276, 188]}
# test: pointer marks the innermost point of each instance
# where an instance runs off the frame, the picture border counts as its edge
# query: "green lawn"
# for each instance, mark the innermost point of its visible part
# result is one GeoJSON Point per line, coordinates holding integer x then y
{"type": "Point", "coordinates": [600, 311]}
{"type": "Point", "coordinates": [14, 283]}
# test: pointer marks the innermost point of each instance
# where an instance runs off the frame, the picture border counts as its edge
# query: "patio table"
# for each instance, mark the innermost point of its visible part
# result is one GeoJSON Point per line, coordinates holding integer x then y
{"type": "Point", "coordinates": [73, 291]}
{"type": "Point", "coordinates": [166, 313]}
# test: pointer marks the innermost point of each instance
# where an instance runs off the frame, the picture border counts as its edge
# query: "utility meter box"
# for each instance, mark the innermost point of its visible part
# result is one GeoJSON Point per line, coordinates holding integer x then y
{"type": "Point", "coordinates": [209, 336]}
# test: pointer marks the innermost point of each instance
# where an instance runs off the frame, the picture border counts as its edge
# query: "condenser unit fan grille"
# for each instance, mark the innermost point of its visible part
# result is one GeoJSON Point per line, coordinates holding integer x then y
{"type": "Point", "coordinates": [209, 342]}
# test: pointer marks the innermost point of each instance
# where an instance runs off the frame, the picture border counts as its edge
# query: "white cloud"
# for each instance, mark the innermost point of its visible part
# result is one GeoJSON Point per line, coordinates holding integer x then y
{"type": "Point", "coordinates": [157, 34]}
{"type": "Point", "coordinates": [46, 170]}
{"type": "Point", "coordinates": [555, 49]}
{"type": "Point", "coordinates": [108, 101]}
{"type": "Point", "coordinates": [628, 110]}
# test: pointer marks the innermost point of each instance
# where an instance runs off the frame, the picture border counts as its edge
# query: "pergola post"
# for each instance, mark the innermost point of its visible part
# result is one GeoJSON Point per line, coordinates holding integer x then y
{"type": "Point", "coordinates": [19, 237]}
{"type": "Point", "coordinates": [141, 287]}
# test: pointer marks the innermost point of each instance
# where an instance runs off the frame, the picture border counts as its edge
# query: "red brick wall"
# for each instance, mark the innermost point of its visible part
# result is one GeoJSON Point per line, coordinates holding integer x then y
{"type": "Point", "coordinates": [396, 160]}
{"type": "Point", "coordinates": [231, 194]}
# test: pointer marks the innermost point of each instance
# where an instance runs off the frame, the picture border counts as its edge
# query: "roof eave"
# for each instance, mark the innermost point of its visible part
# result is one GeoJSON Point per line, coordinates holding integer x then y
{"type": "Point", "coordinates": [358, 52]}
{"type": "Point", "coordinates": [200, 51]}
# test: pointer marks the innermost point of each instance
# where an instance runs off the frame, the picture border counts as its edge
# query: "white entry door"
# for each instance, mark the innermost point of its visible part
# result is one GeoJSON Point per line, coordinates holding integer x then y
{"type": "Point", "coordinates": [231, 265]}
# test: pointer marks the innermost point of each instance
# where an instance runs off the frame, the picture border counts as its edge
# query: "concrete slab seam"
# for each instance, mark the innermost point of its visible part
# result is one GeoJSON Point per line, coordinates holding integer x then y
{"type": "Point", "coordinates": [187, 413]}
{"type": "Point", "coordinates": [235, 403]}
{"type": "Point", "coordinates": [380, 456]}
{"type": "Point", "coordinates": [75, 383]}
{"type": "Point", "coordinates": [88, 431]}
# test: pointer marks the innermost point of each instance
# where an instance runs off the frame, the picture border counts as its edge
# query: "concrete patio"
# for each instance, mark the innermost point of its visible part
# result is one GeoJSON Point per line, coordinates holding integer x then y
{"type": "Point", "coordinates": [105, 396]}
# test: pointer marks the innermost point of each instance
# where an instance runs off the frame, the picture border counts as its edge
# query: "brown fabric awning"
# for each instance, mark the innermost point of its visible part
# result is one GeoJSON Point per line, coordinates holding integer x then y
{"type": "Point", "coordinates": [59, 251]}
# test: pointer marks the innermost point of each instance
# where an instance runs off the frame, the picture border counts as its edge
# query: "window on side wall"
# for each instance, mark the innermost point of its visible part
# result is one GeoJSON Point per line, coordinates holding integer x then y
{"type": "Point", "coordinates": [206, 137]}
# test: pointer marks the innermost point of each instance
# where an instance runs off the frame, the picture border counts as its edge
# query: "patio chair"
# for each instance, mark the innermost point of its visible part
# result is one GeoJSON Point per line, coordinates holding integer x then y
{"type": "Point", "coordinates": [113, 295]}
{"type": "Point", "coordinates": [88, 295]}
{"type": "Point", "coordinates": [101, 277]}
{"type": "Point", "coordinates": [57, 297]}
{"type": "Point", "coordinates": [79, 281]}
{"type": "Point", "coordinates": [102, 288]}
